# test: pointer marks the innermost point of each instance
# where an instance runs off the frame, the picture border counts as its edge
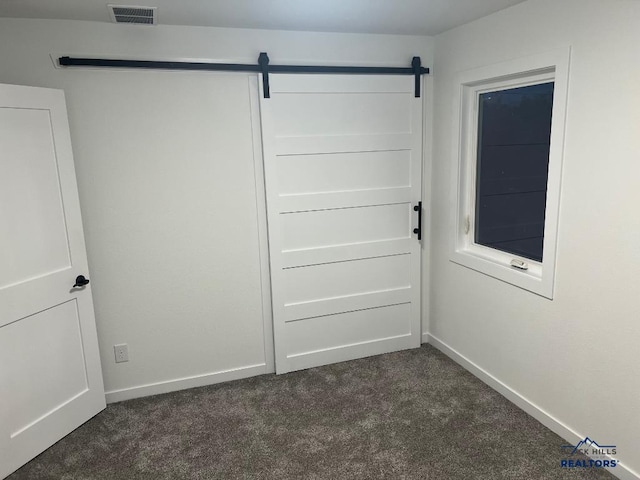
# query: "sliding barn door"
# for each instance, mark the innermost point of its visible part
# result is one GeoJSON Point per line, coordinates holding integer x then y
{"type": "Point", "coordinates": [342, 158]}
{"type": "Point", "coordinates": [50, 376]}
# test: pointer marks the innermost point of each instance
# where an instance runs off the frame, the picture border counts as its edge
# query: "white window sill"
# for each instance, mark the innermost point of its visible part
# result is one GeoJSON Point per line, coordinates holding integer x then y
{"type": "Point", "coordinates": [498, 265]}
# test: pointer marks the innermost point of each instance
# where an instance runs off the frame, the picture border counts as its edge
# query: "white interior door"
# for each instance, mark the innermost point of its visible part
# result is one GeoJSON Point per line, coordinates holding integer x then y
{"type": "Point", "coordinates": [50, 376]}
{"type": "Point", "coordinates": [343, 156]}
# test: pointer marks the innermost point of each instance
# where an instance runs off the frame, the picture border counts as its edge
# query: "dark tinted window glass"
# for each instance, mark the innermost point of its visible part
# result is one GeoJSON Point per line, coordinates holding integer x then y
{"type": "Point", "coordinates": [514, 128]}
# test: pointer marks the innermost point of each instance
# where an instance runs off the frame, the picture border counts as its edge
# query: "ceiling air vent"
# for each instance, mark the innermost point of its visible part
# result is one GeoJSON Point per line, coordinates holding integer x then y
{"type": "Point", "coordinates": [133, 15]}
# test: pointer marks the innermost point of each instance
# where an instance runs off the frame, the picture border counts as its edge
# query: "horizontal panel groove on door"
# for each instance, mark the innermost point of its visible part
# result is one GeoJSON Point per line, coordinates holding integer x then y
{"type": "Point", "coordinates": [353, 351]}
{"type": "Point", "coordinates": [350, 303]}
{"type": "Point", "coordinates": [43, 344]}
{"type": "Point", "coordinates": [350, 199]}
{"type": "Point", "coordinates": [331, 83]}
{"type": "Point", "coordinates": [333, 144]}
{"type": "Point", "coordinates": [317, 334]}
{"type": "Point", "coordinates": [324, 228]}
{"type": "Point", "coordinates": [342, 253]}
{"type": "Point", "coordinates": [340, 172]}
{"type": "Point", "coordinates": [34, 295]}
{"type": "Point", "coordinates": [340, 113]}
{"type": "Point", "coordinates": [346, 278]}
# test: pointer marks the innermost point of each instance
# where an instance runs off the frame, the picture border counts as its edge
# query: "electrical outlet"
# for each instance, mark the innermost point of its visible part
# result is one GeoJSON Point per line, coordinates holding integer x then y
{"type": "Point", "coordinates": [122, 352]}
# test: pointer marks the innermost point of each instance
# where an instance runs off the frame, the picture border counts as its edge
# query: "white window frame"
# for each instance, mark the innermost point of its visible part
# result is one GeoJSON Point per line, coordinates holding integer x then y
{"type": "Point", "coordinates": [552, 66]}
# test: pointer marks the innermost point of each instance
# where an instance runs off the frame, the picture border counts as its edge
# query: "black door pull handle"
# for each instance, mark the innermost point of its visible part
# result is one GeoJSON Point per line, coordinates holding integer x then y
{"type": "Point", "coordinates": [418, 231]}
{"type": "Point", "coordinates": [80, 281]}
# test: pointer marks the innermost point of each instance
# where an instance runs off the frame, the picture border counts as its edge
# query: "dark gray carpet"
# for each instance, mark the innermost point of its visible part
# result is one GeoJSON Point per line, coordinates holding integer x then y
{"type": "Point", "coordinates": [406, 415]}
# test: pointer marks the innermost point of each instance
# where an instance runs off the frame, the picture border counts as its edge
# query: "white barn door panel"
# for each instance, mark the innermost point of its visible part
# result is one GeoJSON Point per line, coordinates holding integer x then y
{"type": "Point", "coordinates": [343, 156]}
{"type": "Point", "coordinates": [50, 375]}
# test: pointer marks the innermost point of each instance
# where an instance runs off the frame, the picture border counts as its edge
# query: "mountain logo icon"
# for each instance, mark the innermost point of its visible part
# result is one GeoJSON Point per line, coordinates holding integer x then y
{"type": "Point", "coordinates": [585, 444]}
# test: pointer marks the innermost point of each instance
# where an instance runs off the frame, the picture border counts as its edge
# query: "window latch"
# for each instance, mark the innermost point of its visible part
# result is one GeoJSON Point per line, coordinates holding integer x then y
{"type": "Point", "coordinates": [519, 264]}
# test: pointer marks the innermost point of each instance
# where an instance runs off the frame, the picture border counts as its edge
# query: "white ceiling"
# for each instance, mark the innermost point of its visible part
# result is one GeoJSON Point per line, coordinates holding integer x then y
{"type": "Point", "coordinates": [407, 17]}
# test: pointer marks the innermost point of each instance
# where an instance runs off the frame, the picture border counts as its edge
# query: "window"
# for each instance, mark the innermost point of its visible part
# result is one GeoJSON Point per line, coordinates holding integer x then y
{"type": "Point", "coordinates": [509, 146]}
{"type": "Point", "coordinates": [514, 131]}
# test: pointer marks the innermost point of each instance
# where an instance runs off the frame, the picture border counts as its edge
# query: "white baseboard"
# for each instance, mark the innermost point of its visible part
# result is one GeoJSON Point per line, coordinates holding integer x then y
{"type": "Point", "coordinates": [186, 382]}
{"type": "Point", "coordinates": [620, 471]}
